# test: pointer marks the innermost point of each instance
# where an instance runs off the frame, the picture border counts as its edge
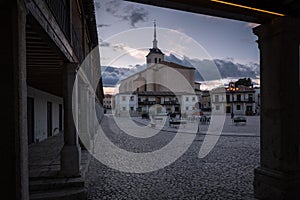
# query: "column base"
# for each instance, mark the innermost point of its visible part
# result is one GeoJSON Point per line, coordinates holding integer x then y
{"type": "Point", "coordinates": [85, 141]}
{"type": "Point", "coordinates": [70, 158]}
{"type": "Point", "coordinates": [276, 185]}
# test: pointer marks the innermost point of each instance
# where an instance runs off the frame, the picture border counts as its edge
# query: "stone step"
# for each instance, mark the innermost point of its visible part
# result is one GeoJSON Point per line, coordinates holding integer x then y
{"type": "Point", "coordinates": [62, 194]}
{"type": "Point", "coordinates": [55, 184]}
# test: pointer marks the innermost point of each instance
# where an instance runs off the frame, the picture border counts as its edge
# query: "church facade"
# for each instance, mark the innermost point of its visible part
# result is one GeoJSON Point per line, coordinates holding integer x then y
{"type": "Point", "coordinates": [163, 87]}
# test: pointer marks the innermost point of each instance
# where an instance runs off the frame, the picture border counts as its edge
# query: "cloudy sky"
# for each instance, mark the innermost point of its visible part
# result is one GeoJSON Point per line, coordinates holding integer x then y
{"type": "Point", "coordinates": [126, 32]}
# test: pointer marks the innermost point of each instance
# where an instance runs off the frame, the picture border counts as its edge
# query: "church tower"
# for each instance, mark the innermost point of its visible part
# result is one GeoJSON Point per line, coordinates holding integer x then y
{"type": "Point", "coordinates": [155, 55]}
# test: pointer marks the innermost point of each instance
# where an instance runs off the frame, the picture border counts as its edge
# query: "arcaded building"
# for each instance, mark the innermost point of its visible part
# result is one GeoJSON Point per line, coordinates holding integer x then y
{"type": "Point", "coordinates": [48, 98]}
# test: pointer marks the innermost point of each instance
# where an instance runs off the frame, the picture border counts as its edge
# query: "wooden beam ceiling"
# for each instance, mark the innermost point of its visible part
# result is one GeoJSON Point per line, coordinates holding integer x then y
{"type": "Point", "coordinates": [44, 65]}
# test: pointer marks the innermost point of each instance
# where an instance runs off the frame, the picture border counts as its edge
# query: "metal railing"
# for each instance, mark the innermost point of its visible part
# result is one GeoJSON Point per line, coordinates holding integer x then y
{"type": "Point", "coordinates": [61, 13]}
{"type": "Point", "coordinates": [147, 102]}
{"type": "Point", "coordinates": [170, 103]}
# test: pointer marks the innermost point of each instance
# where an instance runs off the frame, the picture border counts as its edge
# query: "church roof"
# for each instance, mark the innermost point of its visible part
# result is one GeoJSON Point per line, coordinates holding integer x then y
{"type": "Point", "coordinates": [169, 64]}
{"type": "Point", "coordinates": [175, 65]}
{"type": "Point", "coordinates": [155, 50]}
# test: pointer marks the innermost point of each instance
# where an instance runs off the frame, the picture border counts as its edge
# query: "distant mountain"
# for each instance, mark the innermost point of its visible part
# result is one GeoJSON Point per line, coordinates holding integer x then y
{"type": "Point", "coordinates": [112, 75]}
{"type": "Point", "coordinates": [185, 61]}
{"type": "Point", "coordinates": [206, 70]}
{"type": "Point", "coordinates": [225, 68]}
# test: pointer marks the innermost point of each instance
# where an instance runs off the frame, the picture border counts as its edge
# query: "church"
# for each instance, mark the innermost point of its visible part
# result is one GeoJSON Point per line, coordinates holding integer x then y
{"type": "Point", "coordinates": [163, 87]}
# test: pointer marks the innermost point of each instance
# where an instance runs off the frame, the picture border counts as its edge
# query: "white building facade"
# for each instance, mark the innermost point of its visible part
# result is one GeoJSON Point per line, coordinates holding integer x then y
{"type": "Point", "coordinates": [107, 101]}
{"type": "Point", "coordinates": [45, 115]}
{"type": "Point", "coordinates": [125, 104]}
{"type": "Point", "coordinates": [239, 102]}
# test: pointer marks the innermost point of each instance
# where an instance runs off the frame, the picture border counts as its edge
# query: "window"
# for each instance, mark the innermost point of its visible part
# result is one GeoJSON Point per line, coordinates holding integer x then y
{"type": "Point", "coordinates": [30, 119]}
{"type": "Point", "coordinates": [194, 99]}
{"type": "Point", "coordinates": [228, 98]}
{"type": "Point", "coordinates": [238, 97]}
{"type": "Point", "coordinates": [159, 60]}
{"type": "Point", "coordinates": [49, 119]}
{"type": "Point", "coordinates": [155, 60]}
{"type": "Point", "coordinates": [124, 108]}
{"type": "Point", "coordinates": [186, 108]}
{"type": "Point", "coordinates": [218, 107]}
{"type": "Point", "coordinates": [238, 107]}
{"type": "Point", "coordinates": [186, 98]}
{"type": "Point", "coordinates": [123, 98]}
{"type": "Point", "coordinates": [249, 108]}
{"type": "Point", "coordinates": [250, 97]}
{"type": "Point", "coordinates": [60, 117]}
{"type": "Point", "coordinates": [194, 108]}
{"type": "Point", "coordinates": [131, 108]}
{"type": "Point", "coordinates": [217, 98]}
{"type": "Point", "coordinates": [131, 98]}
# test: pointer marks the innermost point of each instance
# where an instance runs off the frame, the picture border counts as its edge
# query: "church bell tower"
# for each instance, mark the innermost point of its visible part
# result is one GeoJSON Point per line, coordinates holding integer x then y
{"type": "Point", "coordinates": [155, 55]}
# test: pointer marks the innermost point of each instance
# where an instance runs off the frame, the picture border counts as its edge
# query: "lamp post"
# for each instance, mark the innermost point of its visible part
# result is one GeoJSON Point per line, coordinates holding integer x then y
{"type": "Point", "coordinates": [232, 89]}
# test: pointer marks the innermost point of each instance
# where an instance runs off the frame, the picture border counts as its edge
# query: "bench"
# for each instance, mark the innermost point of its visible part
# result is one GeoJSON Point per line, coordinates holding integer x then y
{"type": "Point", "coordinates": [239, 120]}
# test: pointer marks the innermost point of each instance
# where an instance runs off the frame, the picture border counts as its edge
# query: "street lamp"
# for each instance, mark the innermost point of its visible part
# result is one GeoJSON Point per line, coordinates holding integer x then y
{"type": "Point", "coordinates": [232, 89]}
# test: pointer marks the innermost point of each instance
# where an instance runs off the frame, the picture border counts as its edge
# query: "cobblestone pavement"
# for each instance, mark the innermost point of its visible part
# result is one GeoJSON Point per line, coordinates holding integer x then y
{"type": "Point", "coordinates": [251, 128]}
{"type": "Point", "coordinates": [225, 173]}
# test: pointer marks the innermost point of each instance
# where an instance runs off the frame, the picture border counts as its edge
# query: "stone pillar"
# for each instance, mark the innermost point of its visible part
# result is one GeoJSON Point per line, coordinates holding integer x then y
{"type": "Point", "coordinates": [94, 113]}
{"type": "Point", "coordinates": [84, 119]}
{"type": "Point", "coordinates": [70, 154]}
{"type": "Point", "coordinates": [278, 176]}
{"type": "Point", "coordinates": [90, 111]}
{"type": "Point", "coordinates": [14, 147]}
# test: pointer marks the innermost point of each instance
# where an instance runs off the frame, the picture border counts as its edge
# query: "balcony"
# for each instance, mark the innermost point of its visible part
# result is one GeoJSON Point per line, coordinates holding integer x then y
{"type": "Point", "coordinates": [170, 103]}
{"type": "Point", "coordinates": [147, 102]}
{"type": "Point", "coordinates": [77, 46]}
{"type": "Point", "coordinates": [61, 13]}
{"type": "Point", "coordinates": [250, 100]}
{"type": "Point", "coordinates": [240, 101]}
{"type": "Point", "coordinates": [219, 101]}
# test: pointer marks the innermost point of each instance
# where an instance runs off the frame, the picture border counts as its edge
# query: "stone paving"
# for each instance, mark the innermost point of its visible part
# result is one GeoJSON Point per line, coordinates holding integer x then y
{"type": "Point", "coordinates": [44, 158]}
{"type": "Point", "coordinates": [227, 172]}
{"type": "Point", "coordinates": [251, 128]}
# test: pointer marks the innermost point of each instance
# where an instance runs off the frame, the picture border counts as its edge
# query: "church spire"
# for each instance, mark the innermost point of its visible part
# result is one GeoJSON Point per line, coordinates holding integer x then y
{"type": "Point", "coordinates": [155, 41]}
{"type": "Point", "coordinates": [155, 55]}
